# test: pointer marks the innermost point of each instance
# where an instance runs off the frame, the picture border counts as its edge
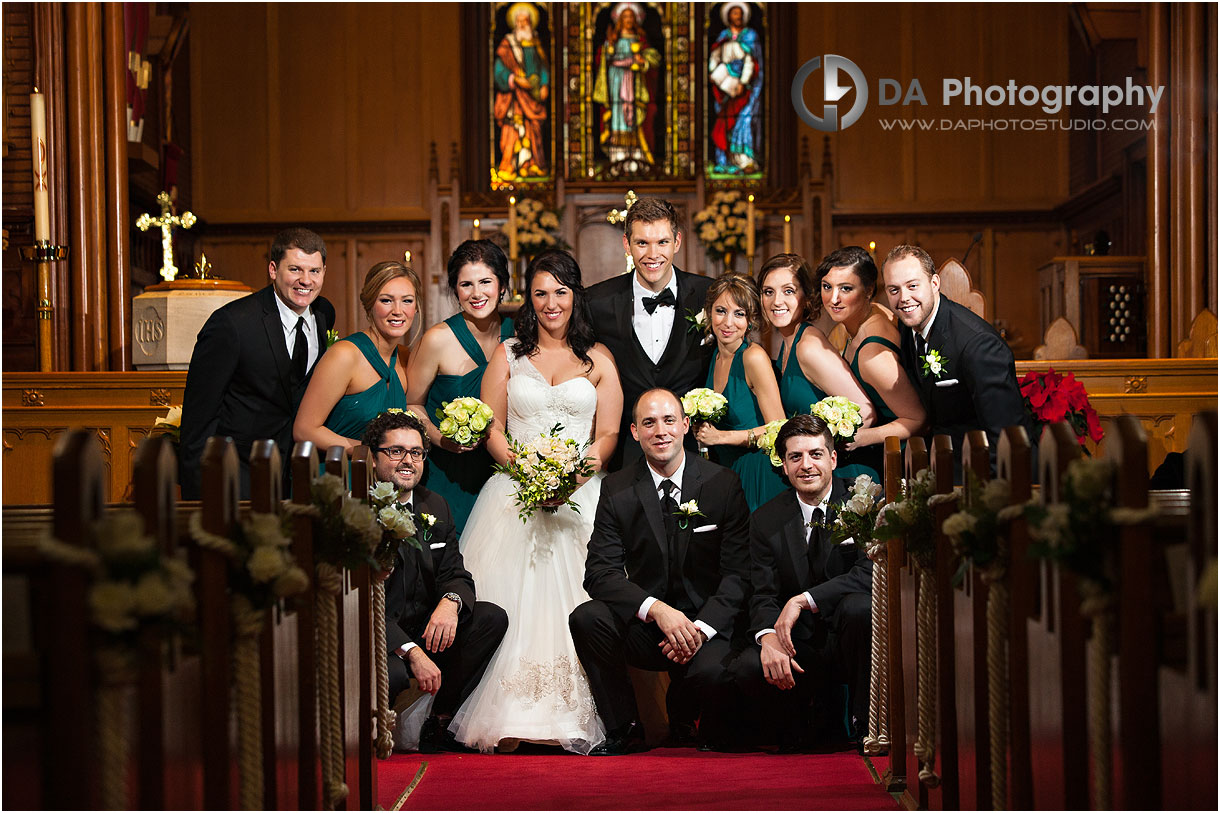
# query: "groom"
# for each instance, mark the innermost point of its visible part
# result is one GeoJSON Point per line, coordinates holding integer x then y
{"type": "Point", "coordinates": [667, 570]}
{"type": "Point", "coordinates": [642, 317]}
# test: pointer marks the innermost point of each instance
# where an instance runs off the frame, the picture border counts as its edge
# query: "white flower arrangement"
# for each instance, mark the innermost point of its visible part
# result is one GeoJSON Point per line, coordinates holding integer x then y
{"type": "Point", "coordinates": [721, 225]}
{"type": "Point", "coordinates": [934, 363]}
{"type": "Point", "coordinates": [856, 518]}
{"type": "Point", "coordinates": [347, 533]}
{"type": "Point", "coordinates": [840, 414]}
{"type": "Point", "coordinates": [546, 470]}
{"type": "Point", "coordinates": [465, 421]}
{"type": "Point", "coordinates": [766, 441]}
{"type": "Point", "coordinates": [537, 227]}
{"type": "Point", "coordinates": [395, 521]}
{"type": "Point", "coordinates": [686, 512]}
{"type": "Point", "coordinates": [704, 404]}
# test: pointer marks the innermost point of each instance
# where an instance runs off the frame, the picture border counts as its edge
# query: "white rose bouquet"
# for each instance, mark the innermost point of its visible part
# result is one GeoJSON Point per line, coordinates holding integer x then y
{"type": "Point", "coordinates": [397, 524]}
{"type": "Point", "coordinates": [704, 404]}
{"type": "Point", "coordinates": [766, 441]}
{"type": "Point", "coordinates": [856, 518]}
{"type": "Point", "coordinates": [840, 414]}
{"type": "Point", "coordinates": [546, 470]}
{"type": "Point", "coordinates": [346, 532]}
{"type": "Point", "coordinates": [465, 421]}
{"type": "Point", "coordinates": [910, 519]}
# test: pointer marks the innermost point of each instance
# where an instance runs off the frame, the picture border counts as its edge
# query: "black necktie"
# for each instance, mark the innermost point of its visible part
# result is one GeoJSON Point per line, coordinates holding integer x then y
{"type": "Point", "coordinates": [666, 297]}
{"type": "Point", "coordinates": [676, 594]}
{"type": "Point", "coordinates": [300, 351]}
{"type": "Point", "coordinates": [815, 530]}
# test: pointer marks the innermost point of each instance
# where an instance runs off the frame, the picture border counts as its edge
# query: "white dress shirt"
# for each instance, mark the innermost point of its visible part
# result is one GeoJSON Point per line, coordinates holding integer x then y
{"type": "Point", "coordinates": [923, 334]}
{"type": "Point", "coordinates": [806, 518]}
{"type": "Point", "coordinates": [289, 317]}
{"type": "Point", "coordinates": [653, 329]}
{"type": "Point", "coordinates": [676, 479]}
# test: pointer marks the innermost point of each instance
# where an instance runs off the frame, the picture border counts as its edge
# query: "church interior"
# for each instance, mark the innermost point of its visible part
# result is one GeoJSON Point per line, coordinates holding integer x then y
{"type": "Point", "coordinates": [151, 152]}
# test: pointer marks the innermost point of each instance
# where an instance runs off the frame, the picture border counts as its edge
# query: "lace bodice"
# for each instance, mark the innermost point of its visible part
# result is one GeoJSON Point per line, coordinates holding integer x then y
{"type": "Point", "coordinates": [534, 405]}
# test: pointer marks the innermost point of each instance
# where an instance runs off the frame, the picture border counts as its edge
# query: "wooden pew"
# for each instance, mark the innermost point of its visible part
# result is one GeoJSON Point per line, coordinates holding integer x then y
{"type": "Point", "coordinates": [309, 774]}
{"type": "Point", "coordinates": [366, 731]}
{"type": "Point", "coordinates": [947, 795]}
{"type": "Point", "coordinates": [895, 778]}
{"type": "Point", "coordinates": [904, 651]}
{"type": "Point", "coordinates": [279, 672]}
{"type": "Point", "coordinates": [219, 515]}
{"type": "Point", "coordinates": [1013, 465]}
{"type": "Point", "coordinates": [1056, 659]}
{"type": "Point", "coordinates": [169, 688]}
{"type": "Point", "coordinates": [969, 675]}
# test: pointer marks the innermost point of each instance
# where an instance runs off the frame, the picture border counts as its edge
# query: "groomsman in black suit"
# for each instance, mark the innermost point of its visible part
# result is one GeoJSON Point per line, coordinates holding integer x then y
{"type": "Point", "coordinates": [434, 627]}
{"type": "Point", "coordinates": [253, 357]}
{"type": "Point", "coordinates": [963, 370]}
{"type": "Point", "coordinates": [641, 317]}
{"type": "Point", "coordinates": [667, 571]}
{"type": "Point", "coordinates": [810, 611]}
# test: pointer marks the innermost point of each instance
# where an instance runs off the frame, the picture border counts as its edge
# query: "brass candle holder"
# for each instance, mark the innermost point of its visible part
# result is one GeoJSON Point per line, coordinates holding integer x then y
{"type": "Point", "coordinates": [44, 253]}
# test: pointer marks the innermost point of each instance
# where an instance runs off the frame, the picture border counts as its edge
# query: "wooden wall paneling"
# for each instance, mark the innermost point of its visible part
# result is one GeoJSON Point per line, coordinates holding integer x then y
{"type": "Point", "coordinates": [1014, 301]}
{"type": "Point", "coordinates": [118, 258]}
{"type": "Point", "coordinates": [244, 259]}
{"type": "Point", "coordinates": [93, 203]}
{"type": "Point", "coordinates": [369, 251]}
{"type": "Point", "coordinates": [1159, 345]}
{"type": "Point", "coordinates": [1200, 142]}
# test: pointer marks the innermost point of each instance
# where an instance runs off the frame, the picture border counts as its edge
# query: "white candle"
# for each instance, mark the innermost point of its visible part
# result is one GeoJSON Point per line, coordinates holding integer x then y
{"type": "Point", "coordinates": [475, 233]}
{"type": "Point", "coordinates": [750, 226]}
{"type": "Point", "coordinates": [787, 234]}
{"type": "Point", "coordinates": [42, 192]}
{"type": "Point", "coordinates": [512, 229]}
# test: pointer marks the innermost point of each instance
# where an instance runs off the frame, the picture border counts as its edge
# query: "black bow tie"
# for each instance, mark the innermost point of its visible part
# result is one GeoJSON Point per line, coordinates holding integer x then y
{"type": "Point", "coordinates": [666, 297]}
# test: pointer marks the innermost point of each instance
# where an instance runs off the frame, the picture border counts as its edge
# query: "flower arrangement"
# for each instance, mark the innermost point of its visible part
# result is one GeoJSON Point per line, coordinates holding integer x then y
{"type": "Point", "coordinates": [350, 532]}
{"type": "Point", "coordinates": [840, 414]}
{"type": "Point", "coordinates": [696, 320]}
{"type": "Point", "coordinates": [766, 441]}
{"type": "Point", "coordinates": [537, 228]}
{"type": "Point", "coordinates": [721, 225]}
{"type": "Point", "coordinates": [934, 364]}
{"type": "Point", "coordinates": [397, 524]}
{"type": "Point", "coordinates": [686, 512]}
{"type": "Point", "coordinates": [1077, 530]}
{"type": "Point", "coordinates": [170, 425]}
{"type": "Point", "coordinates": [974, 529]}
{"type": "Point", "coordinates": [546, 470]}
{"type": "Point", "coordinates": [264, 568]}
{"type": "Point", "coordinates": [910, 519]}
{"type": "Point", "coordinates": [704, 404]}
{"type": "Point", "coordinates": [135, 584]}
{"type": "Point", "coordinates": [856, 518]}
{"type": "Point", "coordinates": [465, 421]}
{"type": "Point", "coordinates": [1050, 397]}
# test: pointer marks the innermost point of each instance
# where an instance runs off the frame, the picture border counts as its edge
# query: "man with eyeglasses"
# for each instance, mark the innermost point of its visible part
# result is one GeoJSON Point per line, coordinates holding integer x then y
{"type": "Point", "coordinates": [435, 629]}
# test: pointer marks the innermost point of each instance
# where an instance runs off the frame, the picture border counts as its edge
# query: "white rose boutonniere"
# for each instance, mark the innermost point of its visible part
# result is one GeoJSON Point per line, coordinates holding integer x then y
{"type": "Point", "coordinates": [686, 512]}
{"type": "Point", "coordinates": [934, 364]}
{"type": "Point", "coordinates": [428, 521]}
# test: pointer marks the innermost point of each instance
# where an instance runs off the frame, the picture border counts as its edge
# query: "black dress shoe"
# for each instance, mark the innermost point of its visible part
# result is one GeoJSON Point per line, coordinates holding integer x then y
{"type": "Point", "coordinates": [681, 735]}
{"type": "Point", "coordinates": [623, 740]}
{"type": "Point", "coordinates": [435, 737]}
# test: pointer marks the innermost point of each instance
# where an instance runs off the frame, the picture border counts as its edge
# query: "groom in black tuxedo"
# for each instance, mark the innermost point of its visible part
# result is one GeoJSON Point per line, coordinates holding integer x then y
{"type": "Point", "coordinates": [641, 317]}
{"type": "Point", "coordinates": [667, 572]}
{"type": "Point", "coordinates": [964, 372]}
{"type": "Point", "coordinates": [252, 360]}
{"type": "Point", "coordinates": [434, 628]}
{"type": "Point", "coordinates": [810, 611]}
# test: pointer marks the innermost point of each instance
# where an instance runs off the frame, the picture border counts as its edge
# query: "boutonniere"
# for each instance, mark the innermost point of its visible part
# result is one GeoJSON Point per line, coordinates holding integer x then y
{"type": "Point", "coordinates": [696, 320]}
{"type": "Point", "coordinates": [332, 336]}
{"type": "Point", "coordinates": [428, 520]}
{"type": "Point", "coordinates": [686, 512]}
{"type": "Point", "coordinates": [934, 363]}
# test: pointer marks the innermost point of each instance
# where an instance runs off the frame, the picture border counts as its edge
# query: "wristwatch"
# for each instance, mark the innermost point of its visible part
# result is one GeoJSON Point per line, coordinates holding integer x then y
{"type": "Point", "coordinates": [455, 598]}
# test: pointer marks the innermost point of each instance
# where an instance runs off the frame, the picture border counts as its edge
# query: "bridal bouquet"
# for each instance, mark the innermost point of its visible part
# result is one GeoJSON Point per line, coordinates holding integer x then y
{"type": "Point", "coordinates": [465, 421]}
{"type": "Point", "coordinates": [546, 470]}
{"type": "Point", "coordinates": [840, 414]}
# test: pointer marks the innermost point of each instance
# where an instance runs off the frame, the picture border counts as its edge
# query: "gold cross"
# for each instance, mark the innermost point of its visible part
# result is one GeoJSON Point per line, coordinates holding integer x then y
{"type": "Point", "coordinates": [166, 223]}
{"type": "Point", "coordinates": [617, 216]}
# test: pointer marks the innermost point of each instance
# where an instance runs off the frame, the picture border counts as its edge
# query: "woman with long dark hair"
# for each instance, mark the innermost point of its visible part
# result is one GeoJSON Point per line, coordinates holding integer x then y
{"type": "Point", "coordinates": [551, 373]}
{"type": "Point", "coordinates": [450, 362]}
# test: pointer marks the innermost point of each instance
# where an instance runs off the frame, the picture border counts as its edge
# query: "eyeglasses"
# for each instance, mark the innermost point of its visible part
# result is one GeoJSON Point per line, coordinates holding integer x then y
{"type": "Point", "coordinates": [398, 452]}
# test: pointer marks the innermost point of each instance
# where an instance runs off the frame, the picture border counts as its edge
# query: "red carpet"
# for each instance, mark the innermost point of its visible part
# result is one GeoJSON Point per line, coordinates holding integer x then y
{"type": "Point", "coordinates": [660, 779]}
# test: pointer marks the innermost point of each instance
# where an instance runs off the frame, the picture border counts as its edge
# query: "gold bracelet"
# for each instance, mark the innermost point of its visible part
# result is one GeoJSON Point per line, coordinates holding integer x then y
{"type": "Point", "coordinates": [750, 437]}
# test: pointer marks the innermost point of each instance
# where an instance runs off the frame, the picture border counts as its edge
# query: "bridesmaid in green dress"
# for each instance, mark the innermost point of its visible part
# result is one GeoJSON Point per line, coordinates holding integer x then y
{"type": "Point", "coordinates": [359, 377]}
{"type": "Point", "coordinates": [741, 371]}
{"type": "Point", "coordinates": [815, 370]}
{"type": "Point", "coordinates": [449, 363]}
{"type": "Point", "coordinates": [847, 280]}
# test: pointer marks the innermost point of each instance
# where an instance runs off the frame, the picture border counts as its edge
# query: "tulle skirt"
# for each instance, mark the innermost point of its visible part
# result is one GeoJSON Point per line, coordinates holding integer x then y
{"type": "Point", "coordinates": [535, 688]}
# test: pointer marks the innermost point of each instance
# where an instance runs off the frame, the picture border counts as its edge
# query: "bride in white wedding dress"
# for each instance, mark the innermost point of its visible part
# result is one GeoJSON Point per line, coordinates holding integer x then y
{"type": "Point", "coordinates": [552, 373]}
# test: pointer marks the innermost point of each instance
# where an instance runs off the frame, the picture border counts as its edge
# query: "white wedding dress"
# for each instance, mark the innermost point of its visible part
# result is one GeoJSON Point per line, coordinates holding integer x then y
{"type": "Point", "coordinates": [535, 688]}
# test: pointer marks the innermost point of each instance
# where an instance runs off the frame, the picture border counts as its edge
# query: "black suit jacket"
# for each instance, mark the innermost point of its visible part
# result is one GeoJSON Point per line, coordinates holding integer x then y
{"type": "Point", "coordinates": [421, 577]}
{"type": "Point", "coordinates": [985, 395]}
{"type": "Point", "coordinates": [240, 383]}
{"type": "Point", "coordinates": [683, 365]}
{"type": "Point", "coordinates": [781, 566]}
{"type": "Point", "coordinates": [628, 557]}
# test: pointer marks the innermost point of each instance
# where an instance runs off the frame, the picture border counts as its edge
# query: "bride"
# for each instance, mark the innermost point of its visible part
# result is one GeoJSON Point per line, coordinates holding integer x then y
{"type": "Point", "coordinates": [552, 372]}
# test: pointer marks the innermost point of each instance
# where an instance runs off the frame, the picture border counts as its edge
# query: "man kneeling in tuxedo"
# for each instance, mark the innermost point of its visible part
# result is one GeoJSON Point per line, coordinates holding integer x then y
{"type": "Point", "coordinates": [667, 571]}
{"type": "Point", "coordinates": [810, 610]}
{"type": "Point", "coordinates": [434, 628]}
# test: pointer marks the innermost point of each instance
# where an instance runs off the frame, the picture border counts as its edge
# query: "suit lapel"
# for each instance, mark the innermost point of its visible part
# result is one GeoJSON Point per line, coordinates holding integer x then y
{"type": "Point", "coordinates": [425, 554]}
{"type": "Point", "coordinates": [275, 338]}
{"type": "Point", "coordinates": [794, 536]}
{"type": "Point", "coordinates": [322, 328]}
{"type": "Point", "coordinates": [646, 493]}
{"type": "Point", "coordinates": [692, 486]}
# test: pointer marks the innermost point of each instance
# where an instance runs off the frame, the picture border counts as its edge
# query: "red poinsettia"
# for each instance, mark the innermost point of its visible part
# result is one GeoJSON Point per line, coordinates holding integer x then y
{"type": "Point", "coordinates": [1051, 397]}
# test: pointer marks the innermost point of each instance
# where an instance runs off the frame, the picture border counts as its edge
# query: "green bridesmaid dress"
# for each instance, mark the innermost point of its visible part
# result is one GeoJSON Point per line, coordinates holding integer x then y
{"type": "Point", "coordinates": [458, 477]}
{"type": "Point", "coordinates": [796, 392]}
{"type": "Point", "coordinates": [759, 479]}
{"type": "Point", "coordinates": [868, 460]}
{"type": "Point", "coordinates": [353, 412]}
